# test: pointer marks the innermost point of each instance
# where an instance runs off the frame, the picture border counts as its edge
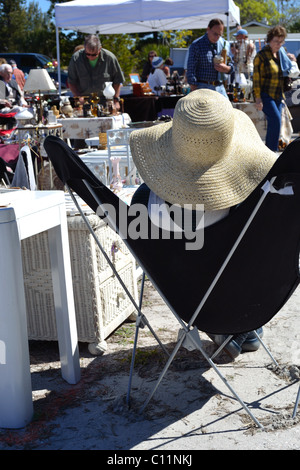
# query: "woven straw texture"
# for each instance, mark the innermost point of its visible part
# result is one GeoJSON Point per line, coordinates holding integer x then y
{"type": "Point", "coordinates": [209, 154]}
{"type": "Point", "coordinates": [100, 302]}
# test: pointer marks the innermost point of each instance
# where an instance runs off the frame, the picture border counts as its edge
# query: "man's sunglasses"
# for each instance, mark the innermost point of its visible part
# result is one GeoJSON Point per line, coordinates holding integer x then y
{"type": "Point", "coordinates": [91, 55]}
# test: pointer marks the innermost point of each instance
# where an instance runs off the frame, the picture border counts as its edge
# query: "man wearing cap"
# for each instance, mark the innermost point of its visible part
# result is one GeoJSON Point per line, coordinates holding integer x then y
{"type": "Point", "coordinates": [91, 67]}
{"type": "Point", "coordinates": [244, 53]}
{"type": "Point", "coordinates": [18, 74]}
{"type": "Point", "coordinates": [157, 78]}
{"type": "Point", "coordinates": [204, 70]}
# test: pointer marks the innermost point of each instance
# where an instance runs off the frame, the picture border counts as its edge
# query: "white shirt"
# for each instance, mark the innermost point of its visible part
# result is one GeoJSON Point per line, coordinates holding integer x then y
{"type": "Point", "coordinates": [157, 79]}
{"type": "Point", "coordinates": [160, 217]}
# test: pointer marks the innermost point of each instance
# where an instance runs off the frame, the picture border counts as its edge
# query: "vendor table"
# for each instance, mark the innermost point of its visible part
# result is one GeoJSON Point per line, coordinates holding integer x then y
{"type": "Point", "coordinates": [149, 108]}
{"type": "Point", "coordinates": [166, 105]}
{"type": "Point", "coordinates": [22, 215]}
{"type": "Point", "coordinates": [83, 128]}
{"type": "Point", "coordinates": [141, 108]}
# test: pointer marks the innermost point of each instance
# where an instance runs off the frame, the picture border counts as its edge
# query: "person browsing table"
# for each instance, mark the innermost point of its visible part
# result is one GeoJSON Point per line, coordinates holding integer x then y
{"type": "Point", "coordinates": [91, 67]}
{"type": "Point", "coordinates": [271, 65]}
{"type": "Point", "coordinates": [13, 93]}
{"type": "Point", "coordinates": [202, 69]}
{"type": "Point", "coordinates": [157, 77]}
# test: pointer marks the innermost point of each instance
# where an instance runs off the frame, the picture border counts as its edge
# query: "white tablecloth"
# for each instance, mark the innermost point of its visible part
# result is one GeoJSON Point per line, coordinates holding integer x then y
{"type": "Point", "coordinates": [83, 128]}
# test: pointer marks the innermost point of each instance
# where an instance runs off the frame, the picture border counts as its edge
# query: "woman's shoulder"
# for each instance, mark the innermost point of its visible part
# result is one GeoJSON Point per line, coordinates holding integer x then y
{"type": "Point", "coordinates": [263, 54]}
{"type": "Point", "coordinates": [266, 50]}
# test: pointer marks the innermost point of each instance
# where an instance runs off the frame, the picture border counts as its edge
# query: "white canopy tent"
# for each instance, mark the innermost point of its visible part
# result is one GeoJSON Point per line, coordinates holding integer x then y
{"type": "Point", "coordinates": [138, 16]}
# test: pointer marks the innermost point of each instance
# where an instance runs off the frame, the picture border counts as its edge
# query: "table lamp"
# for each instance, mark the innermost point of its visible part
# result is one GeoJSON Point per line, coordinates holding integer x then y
{"type": "Point", "coordinates": [39, 81]}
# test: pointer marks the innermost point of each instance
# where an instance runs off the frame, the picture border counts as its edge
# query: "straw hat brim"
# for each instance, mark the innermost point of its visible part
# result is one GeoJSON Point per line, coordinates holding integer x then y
{"type": "Point", "coordinates": [224, 184]}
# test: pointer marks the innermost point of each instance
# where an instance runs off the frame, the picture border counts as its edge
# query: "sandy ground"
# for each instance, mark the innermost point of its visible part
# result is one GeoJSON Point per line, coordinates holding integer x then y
{"type": "Point", "coordinates": [191, 410]}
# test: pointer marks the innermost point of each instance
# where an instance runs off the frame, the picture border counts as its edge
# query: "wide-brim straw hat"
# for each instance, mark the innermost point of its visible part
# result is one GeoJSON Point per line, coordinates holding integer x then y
{"type": "Point", "coordinates": [209, 154]}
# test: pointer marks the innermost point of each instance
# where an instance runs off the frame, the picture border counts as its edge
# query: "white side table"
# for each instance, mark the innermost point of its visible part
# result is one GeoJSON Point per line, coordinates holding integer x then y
{"type": "Point", "coordinates": [23, 214]}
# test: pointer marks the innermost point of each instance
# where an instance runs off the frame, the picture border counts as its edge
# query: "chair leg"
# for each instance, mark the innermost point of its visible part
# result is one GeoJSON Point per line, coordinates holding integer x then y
{"type": "Point", "coordinates": [296, 403]}
{"type": "Point", "coordinates": [222, 346]}
{"type": "Point", "coordinates": [138, 322]}
{"type": "Point", "coordinates": [265, 348]}
{"type": "Point", "coordinates": [164, 371]}
{"type": "Point", "coordinates": [189, 335]}
{"type": "Point", "coordinates": [141, 320]}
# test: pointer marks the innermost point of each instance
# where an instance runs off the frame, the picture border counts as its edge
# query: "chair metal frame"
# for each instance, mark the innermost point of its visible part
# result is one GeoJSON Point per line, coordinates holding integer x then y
{"type": "Point", "coordinates": [188, 333]}
{"type": "Point", "coordinates": [189, 336]}
{"type": "Point", "coordinates": [296, 403]}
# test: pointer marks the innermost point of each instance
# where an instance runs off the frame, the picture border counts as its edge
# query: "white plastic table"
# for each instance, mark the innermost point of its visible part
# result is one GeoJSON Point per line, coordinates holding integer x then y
{"type": "Point", "coordinates": [23, 214]}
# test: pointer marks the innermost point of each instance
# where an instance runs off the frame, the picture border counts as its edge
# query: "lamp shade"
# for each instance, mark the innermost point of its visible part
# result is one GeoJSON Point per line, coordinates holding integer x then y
{"type": "Point", "coordinates": [38, 80]}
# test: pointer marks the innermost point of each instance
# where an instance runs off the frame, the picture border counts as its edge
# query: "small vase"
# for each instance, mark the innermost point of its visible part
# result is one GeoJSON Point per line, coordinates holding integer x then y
{"type": "Point", "coordinates": [109, 91]}
{"type": "Point", "coordinates": [116, 182]}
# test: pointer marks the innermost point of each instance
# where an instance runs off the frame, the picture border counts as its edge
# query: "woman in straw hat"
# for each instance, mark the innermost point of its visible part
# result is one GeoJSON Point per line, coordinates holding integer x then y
{"type": "Point", "coordinates": [210, 154]}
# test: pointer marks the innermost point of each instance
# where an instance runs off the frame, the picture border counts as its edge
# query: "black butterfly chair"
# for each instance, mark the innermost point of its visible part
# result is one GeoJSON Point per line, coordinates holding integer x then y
{"type": "Point", "coordinates": [243, 275]}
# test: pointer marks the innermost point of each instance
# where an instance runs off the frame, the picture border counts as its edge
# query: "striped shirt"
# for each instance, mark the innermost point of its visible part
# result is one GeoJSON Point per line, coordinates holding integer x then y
{"type": "Point", "coordinates": [200, 64]}
{"type": "Point", "coordinates": [267, 76]}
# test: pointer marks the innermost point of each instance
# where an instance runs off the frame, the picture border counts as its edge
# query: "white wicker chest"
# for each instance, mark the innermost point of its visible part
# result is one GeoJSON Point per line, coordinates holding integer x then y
{"type": "Point", "coordinates": [101, 304]}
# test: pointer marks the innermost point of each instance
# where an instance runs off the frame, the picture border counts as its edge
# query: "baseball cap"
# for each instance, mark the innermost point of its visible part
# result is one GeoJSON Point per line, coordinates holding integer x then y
{"type": "Point", "coordinates": [241, 31]}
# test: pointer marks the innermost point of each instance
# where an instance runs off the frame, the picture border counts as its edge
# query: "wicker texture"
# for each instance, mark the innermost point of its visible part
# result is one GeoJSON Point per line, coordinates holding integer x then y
{"type": "Point", "coordinates": [100, 302]}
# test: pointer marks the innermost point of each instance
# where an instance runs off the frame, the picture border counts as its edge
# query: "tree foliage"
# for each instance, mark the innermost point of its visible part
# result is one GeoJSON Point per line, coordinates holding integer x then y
{"type": "Point", "coordinates": [262, 11]}
{"type": "Point", "coordinates": [25, 29]}
{"type": "Point", "coordinates": [285, 12]}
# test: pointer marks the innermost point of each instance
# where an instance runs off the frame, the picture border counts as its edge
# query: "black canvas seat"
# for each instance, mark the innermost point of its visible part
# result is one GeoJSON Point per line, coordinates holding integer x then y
{"type": "Point", "coordinates": [248, 266]}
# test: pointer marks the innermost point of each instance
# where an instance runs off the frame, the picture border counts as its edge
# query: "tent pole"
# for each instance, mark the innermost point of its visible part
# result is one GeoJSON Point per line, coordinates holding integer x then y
{"type": "Point", "coordinates": [228, 12]}
{"type": "Point", "coordinates": [58, 59]}
{"type": "Point", "coordinates": [228, 33]}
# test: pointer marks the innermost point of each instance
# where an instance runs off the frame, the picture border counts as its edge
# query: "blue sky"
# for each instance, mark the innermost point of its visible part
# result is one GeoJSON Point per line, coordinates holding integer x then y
{"type": "Point", "coordinates": [43, 4]}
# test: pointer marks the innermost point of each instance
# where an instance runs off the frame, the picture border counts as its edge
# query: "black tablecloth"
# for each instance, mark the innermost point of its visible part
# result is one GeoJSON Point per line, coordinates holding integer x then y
{"type": "Point", "coordinates": [168, 102]}
{"type": "Point", "coordinates": [147, 108]}
{"type": "Point", "coordinates": [141, 108]}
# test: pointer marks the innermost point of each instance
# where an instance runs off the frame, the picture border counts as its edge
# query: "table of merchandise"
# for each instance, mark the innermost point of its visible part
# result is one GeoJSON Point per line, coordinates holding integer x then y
{"type": "Point", "coordinates": [23, 214]}
{"type": "Point", "coordinates": [85, 127]}
{"type": "Point", "coordinates": [38, 133]}
{"type": "Point", "coordinates": [141, 108]}
{"type": "Point", "coordinates": [166, 105]}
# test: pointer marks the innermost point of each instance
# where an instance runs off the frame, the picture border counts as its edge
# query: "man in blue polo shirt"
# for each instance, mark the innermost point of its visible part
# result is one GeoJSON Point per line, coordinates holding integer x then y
{"type": "Point", "coordinates": [202, 70]}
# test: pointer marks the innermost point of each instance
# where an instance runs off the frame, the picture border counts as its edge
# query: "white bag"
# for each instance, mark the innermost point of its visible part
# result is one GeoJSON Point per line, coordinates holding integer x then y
{"type": "Point", "coordinates": [241, 79]}
{"type": "Point", "coordinates": [294, 72]}
{"type": "Point", "coordinates": [286, 129]}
